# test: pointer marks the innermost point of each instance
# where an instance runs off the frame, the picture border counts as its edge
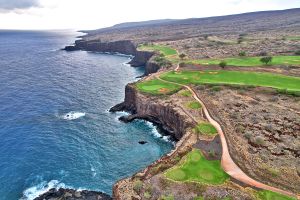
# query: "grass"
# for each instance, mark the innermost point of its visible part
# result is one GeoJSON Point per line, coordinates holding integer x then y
{"type": "Point", "coordinates": [198, 169]}
{"type": "Point", "coordinates": [268, 195]}
{"type": "Point", "coordinates": [276, 81]}
{"type": "Point", "coordinates": [293, 38]}
{"type": "Point", "coordinates": [167, 51]}
{"type": "Point", "coordinates": [194, 105]}
{"type": "Point", "coordinates": [185, 93]}
{"type": "Point", "coordinates": [206, 128]}
{"type": "Point", "coordinates": [157, 87]}
{"type": "Point", "coordinates": [250, 61]}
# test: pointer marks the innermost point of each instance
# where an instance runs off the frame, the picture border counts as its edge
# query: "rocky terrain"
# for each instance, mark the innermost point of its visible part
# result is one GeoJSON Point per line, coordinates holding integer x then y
{"type": "Point", "coordinates": [262, 129]}
{"type": "Point", "coordinates": [70, 194]}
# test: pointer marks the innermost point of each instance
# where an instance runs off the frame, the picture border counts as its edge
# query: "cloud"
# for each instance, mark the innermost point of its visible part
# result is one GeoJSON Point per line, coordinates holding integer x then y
{"type": "Point", "coordinates": [10, 5]}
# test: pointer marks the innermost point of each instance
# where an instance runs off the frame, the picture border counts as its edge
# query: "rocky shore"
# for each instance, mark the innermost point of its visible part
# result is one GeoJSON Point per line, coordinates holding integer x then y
{"type": "Point", "coordinates": [70, 194]}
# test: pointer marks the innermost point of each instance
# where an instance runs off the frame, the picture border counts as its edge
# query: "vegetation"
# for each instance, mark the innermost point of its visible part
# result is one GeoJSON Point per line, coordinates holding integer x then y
{"type": "Point", "coordinates": [222, 64]}
{"type": "Point", "coordinates": [185, 93]}
{"type": "Point", "coordinates": [278, 81]}
{"type": "Point", "coordinates": [194, 105]}
{"type": "Point", "coordinates": [268, 195]}
{"type": "Point", "coordinates": [293, 38]}
{"type": "Point", "coordinates": [297, 52]}
{"type": "Point", "coordinates": [137, 186]}
{"type": "Point", "coordinates": [157, 87]}
{"type": "Point", "coordinates": [206, 128]}
{"type": "Point", "coordinates": [194, 167]}
{"type": "Point", "coordinates": [242, 53]}
{"type": "Point", "coordinates": [266, 60]}
{"type": "Point", "coordinates": [167, 51]}
{"type": "Point", "coordinates": [167, 197]}
{"type": "Point", "coordinates": [162, 61]}
{"type": "Point", "coordinates": [250, 61]}
{"type": "Point", "coordinates": [182, 56]}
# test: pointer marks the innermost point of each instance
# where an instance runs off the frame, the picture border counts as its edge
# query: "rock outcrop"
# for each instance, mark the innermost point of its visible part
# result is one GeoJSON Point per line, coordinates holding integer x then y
{"type": "Point", "coordinates": [153, 109]}
{"type": "Point", "coordinates": [70, 194]}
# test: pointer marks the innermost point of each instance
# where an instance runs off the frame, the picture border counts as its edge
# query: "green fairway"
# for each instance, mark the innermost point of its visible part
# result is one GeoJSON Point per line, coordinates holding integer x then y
{"type": "Point", "coordinates": [196, 168]}
{"type": "Point", "coordinates": [167, 51]}
{"type": "Point", "coordinates": [268, 195]}
{"type": "Point", "coordinates": [234, 78]}
{"type": "Point", "coordinates": [194, 105]}
{"type": "Point", "coordinates": [157, 87]}
{"type": "Point", "coordinates": [293, 38]}
{"type": "Point", "coordinates": [250, 61]}
{"type": "Point", "coordinates": [206, 128]}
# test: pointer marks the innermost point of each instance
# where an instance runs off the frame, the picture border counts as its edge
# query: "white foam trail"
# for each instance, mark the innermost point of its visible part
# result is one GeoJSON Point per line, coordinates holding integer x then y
{"type": "Point", "coordinates": [155, 133]}
{"type": "Point", "coordinates": [35, 191]}
{"type": "Point", "coordinates": [73, 115]}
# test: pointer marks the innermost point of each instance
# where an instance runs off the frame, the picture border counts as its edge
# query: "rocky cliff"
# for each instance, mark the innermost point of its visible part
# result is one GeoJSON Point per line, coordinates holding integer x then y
{"type": "Point", "coordinates": [154, 109]}
{"type": "Point", "coordinates": [140, 58]}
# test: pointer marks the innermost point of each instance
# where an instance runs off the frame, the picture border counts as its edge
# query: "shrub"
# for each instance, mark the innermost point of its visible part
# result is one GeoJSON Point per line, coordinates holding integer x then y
{"type": "Point", "coordinates": [266, 60]}
{"type": "Point", "coordinates": [147, 195]}
{"type": "Point", "coordinates": [297, 52]}
{"type": "Point", "coordinates": [222, 64]}
{"type": "Point", "coordinates": [182, 56]}
{"type": "Point", "coordinates": [137, 186]}
{"type": "Point", "coordinates": [242, 53]}
{"type": "Point", "coordinates": [259, 140]}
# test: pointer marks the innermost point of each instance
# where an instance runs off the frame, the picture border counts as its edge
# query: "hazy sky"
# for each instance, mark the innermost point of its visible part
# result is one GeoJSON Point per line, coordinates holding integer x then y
{"type": "Point", "coordinates": [92, 14]}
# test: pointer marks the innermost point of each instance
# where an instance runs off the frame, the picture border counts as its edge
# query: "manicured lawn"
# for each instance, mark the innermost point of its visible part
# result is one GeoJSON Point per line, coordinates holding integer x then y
{"type": "Point", "coordinates": [194, 105]}
{"type": "Point", "coordinates": [196, 168]}
{"type": "Point", "coordinates": [167, 51]}
{"type": "Point", "coordinates": [206, 128]}
{"type": "Point", "coordinates": [234, 78]}
{"type": "Point", "coordinates": [250, 61]}
{"type": "Point", "coordinates": [268, 195]}
{"type": "Point", "coordinates": [157, 87]}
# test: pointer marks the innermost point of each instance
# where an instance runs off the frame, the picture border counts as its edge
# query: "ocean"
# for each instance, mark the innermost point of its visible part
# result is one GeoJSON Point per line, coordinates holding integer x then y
{"type": "Point", "coordinates": [55, 128]}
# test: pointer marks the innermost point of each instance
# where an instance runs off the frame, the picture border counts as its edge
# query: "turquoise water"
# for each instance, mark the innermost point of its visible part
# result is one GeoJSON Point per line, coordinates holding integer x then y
{"type": "Point", "coordinates": [41, 145]}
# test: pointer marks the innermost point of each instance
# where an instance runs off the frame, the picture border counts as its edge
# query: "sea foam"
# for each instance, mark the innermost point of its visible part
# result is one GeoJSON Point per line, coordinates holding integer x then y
{"type": "Point", "coordinates": [73, 115]}
{"type": "Point", "coordinates": [35, 191]}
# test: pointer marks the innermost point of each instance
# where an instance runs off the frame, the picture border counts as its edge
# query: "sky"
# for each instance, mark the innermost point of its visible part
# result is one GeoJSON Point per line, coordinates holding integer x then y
{"type": "Point", "coordinates": [93, 14]}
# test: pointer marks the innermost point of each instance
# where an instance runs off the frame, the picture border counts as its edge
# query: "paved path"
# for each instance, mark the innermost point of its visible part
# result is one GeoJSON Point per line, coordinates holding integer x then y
{"type": "Point", "coordinates": [227, 163]}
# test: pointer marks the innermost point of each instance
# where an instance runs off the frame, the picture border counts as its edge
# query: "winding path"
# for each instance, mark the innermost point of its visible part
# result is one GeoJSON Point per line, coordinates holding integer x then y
{"type": "Point", "coordinates": [227, 163]}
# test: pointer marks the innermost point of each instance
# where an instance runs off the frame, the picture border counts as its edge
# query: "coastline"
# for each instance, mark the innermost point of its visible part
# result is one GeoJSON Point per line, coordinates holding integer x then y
{"type": "Point", "coordinates": [137, 59]}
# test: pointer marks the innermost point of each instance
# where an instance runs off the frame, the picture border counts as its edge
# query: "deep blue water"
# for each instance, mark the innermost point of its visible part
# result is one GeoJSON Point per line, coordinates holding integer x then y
{"type": "Point", "coordinates": [39, 85]}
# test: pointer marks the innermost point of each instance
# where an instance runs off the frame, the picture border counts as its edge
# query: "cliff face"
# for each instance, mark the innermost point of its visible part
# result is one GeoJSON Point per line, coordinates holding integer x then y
{"type": "Point", "coordinates": [140, 58]}
{"type": "Point", "coordinates": [154, 109]}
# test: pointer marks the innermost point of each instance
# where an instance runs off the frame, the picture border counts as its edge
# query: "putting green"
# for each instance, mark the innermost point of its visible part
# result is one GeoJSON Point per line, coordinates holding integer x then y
{"type": "Point", "coordinates": [277, 81]}
{"type": "Point", "coordinates": [196, 168]}
{"type": "Point", "coordinates": [157, 87]}
{"type": "Point", "coordinates": [206, 128]}
{"type": "Point", "coordinates": [250, 61]}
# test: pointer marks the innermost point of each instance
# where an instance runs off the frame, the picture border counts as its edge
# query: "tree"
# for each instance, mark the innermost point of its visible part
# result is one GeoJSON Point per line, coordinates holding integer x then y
{"type": "Point", "coordinates": [182, 56]}
{"type": "Point", "coordinates": [242, 53]}
{"type": "Point", "coordinates": [266, 60]}
{"type": "Point", "coordinates": [222, 64]}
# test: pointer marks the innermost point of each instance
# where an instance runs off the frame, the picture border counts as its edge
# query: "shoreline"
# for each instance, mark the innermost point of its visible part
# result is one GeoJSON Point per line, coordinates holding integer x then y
{"type": "Point", "coordinates": [162, 131]}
